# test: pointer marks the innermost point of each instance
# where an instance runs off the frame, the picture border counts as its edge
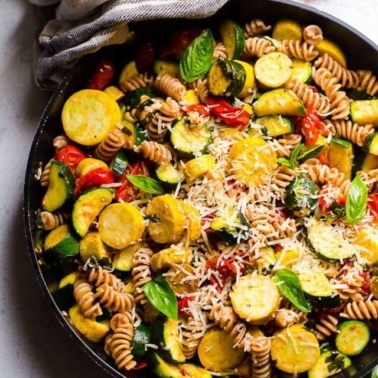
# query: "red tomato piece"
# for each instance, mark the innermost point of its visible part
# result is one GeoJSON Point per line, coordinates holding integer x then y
{"type": "Point", "coordinates": [70, 155]}
{"type": "Point", "coordinates": [93, 179]}
{"type": "Point", "coordinates": [183, 304]}
{"type": "Point", "coordinates": [233, 116]}
{"type": "Point", "coordinates": [102, 76]}
{"type": "Point", "coordinates": [144, 56]}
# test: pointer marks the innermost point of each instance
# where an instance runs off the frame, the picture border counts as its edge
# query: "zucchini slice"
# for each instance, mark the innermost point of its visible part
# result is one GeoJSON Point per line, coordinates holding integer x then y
{"type": "Point", "coordinates": [92, 245]}
{"type": "Point", "coordinates": [295, 349]}
{"type": "Point", "coordinates": [250, 80]}
{"type": "Point", "coordinates": [168, 257]}
{"type": "Point", "coordinates": [165, 67]}
{"type": "Point", "coordinates": [326, 46]}
{"type": "Point", "coordinates": [287, 29]}
{"type": "Point", "coordinates": [216, 351]}
{"type": "Point", "coordinates": [165, 334]}
{"type": "Point", "coordinates": [352, 337]}
{"type": "Point", "coordinates": [364, 112]}
{"type": "Point", "coordinates": [233, 38]}
{"type": "Point", "coordinates": [196, 168]}
{"type": "Point", "coordinates": [279, 101]}
{"type": "Point", "coordinates": [134, 135]}
{"type": "Point", "coordinates": [371, 144]}
{"type": "Point", "coordinates": [367, 243]}
{"type": "Point", "coordinates": [123, 258]}
{"type": "Point", "coordinates": [89, 164]}
{"type": "Point", "coordinates": [61, 186]}
{"type": "Point", "coordinates": [167, 219]}
{"type": "Point", "coordinates": [327, 243]}
{"type": "Point", "coordinates": [248, 298]}
{"type": "Point", "coordinates": [329, 363]}
{"type": "Point", "coordinates": [119, 163]}
{"type": "Point", "coordinates": [89, 115]}
{"type": "Point", "coordinates": [226, 77]}
{"type": "Point", "coordinates": [273, 70]}
{"type": "Point", "coordinates": [318, 289]}
{"type": "Point", "coordinates": [88, 206]}
{"type": "Point", "coordinates": [89, 328]}
{"type": "Point", "coordinates": [301, 70]}
{"type": "Point", "coordinates": [190, 140]}
{"type": "Point", "coordinates": [142, 336]}
{"type": "Point", "coordinates": [276, 125]}
{"type": "Point", "coordinates": [168, 174]}
{"type": "Point", "coordinates": [251, 160]}
{"type": "Point", "coordinates": [120, 224]}
{"type": "Point", "coordinates": [340, 154]}
{"type": "Point", "coordinates": [60, 244]}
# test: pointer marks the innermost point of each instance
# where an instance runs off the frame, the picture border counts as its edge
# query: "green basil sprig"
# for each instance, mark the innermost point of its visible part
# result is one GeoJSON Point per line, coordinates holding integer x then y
{"type": "Point", "coordinates": [160, 294]}
{"type": "Point", "coordinates": [197, 57]}
{"type": "Point", "coordinates": [145, 183]}
{"type": "Point", "coordinates": [356, 202]}
{"type": "Point", "coordinates": [293, 157]}
{"type": "Point", "coordinates": [290, 287]}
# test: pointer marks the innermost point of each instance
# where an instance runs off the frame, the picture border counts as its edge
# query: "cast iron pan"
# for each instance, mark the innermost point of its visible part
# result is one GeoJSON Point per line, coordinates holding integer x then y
{"type": "Point", "coordinates": [362, 53]}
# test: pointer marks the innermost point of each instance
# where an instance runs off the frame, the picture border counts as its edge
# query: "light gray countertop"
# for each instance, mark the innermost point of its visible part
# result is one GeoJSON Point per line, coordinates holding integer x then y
{"type": "Point", "coordinates": [32, 342]}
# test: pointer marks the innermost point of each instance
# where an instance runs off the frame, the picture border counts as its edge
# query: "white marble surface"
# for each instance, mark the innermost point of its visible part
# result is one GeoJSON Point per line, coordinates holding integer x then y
{"type": "Point", "coordinates": [32, 343]}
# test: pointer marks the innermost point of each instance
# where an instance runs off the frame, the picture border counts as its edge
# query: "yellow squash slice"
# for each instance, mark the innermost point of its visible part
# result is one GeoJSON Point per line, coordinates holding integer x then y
{"type": "Point", "coordinates": [89, 115]}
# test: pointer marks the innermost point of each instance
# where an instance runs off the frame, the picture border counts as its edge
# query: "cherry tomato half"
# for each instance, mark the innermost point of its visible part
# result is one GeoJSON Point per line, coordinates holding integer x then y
{"type": "Point", "coordinates": [70, 155]}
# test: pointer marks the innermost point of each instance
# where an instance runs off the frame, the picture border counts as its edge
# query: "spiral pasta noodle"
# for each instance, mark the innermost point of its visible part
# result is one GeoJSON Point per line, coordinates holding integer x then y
{"type": "Point", "coordinates": [347, 78]}
{"type": "Point", "coordinates": [261, 360]}
{"type": "Point", "coordinates": [257, 46]}
{"type": "Point", "coordinates": [86, 299]}
{"type": "Point", "coordinates": [162, 119]}
{"type": "Point", "coordinates": [45, 176]}
{"type": "Point", "coordinates": [325, 327]}
{"type": "Point", "coordinates": [192, 331]}
{"type": "Point", "coordinates": [285, 317]}
{"type": "Point", "coordinates": [298, 49]}
{"type": "Point", "coordinates": [226, 318]}
{"type": "Point", "coordinates": [309, 96]}
{"type": "Point", "coordinates": [60, 142]}
{"type": "Point", "coordinates": [339, 100]}
{"type": "Point", "coordinates": [114, 300]}
{"type": "Point", "coordinates": [361, 310]}
{"type": "Point", "coordinates": [141, 273]}
{"type": "Point", "coordinates": [156, 152]}
{"type": "Point", "coordinates": [108, 147]}
{"type": "Point", "coordinates": [171, 86]}
{"type": "Point", "coordinates": [284, 146]}
{"type": "Point", "coordinates": [99, 276]}
{"type": "Point", "coordinates": [201, 88]}
{"type": "Point", "coordinates": [349, 130]}
{"type": "Point", "coordinates": [118, 344]}
{"type": "Point", "coordinates": [219, 51]}
{"type": "Point", "coordinates": [368, 82]}
{"type": "Point", "coordinates": [135, 82]}
{"type": "Point", "coordinates": [255, 27]}
{"type": "Point", "coordinates": [53, 220]}
{"type": "Point", "coordinates": [312, 34]}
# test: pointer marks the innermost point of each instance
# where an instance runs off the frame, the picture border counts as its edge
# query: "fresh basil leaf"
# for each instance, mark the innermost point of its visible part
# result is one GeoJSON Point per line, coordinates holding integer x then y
{"type": "Point", "coordinates": [145, 183]}
{"type": "Point", "coordinates": [289, 286]}
{"type": "Point", "coordinates": [285, 162]}
{"type": "Point", "coordinates": [160, 294]}
{"type": "Point", "coordinates": [197, 57]}
{"type": "Point", "coordinates": [356, 202]}
{"type": "Point", "coordinates": [295, 153]}
{"type": "Point", "coordinates": [309, 152]}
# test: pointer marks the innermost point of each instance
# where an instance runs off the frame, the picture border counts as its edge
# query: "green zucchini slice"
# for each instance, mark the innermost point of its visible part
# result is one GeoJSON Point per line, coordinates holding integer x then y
{"type": "Point", "coordinates": [364, 112]}
{"type": "Point", "coordinates": [142, 336]}
{"type": "Point", "coordinates": [352, 337]}
{"type": "Point", "coordinates": [330, 362]}
{"type": "Point", "coordinates": [327, 243]}
{"type": "Point", "coordinates": [341, 156]}
{"type": "Point", "coordinates": [318, 289]}
{"type": "Point", "coordinates": [190, 140]}
{"type": "Point", "coordinates": [61, 186]}
{"type": "Point", "coordinates": [371, 144]}
{"type": "Point", "coordinates": [279, 101]}
{"type": "Point", "coordinates": [233, 38]}
{"type": "Point", "coordinates": [226, 77]}
{"type": "Point", "coordinates": [276, 125]}
{"type": "Point", "coordinates": [165, 334]}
